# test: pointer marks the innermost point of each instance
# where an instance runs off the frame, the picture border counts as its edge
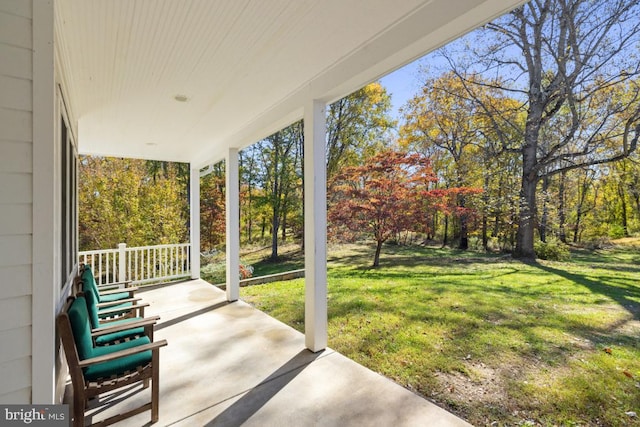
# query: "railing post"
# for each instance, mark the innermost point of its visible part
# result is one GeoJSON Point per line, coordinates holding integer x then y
{"type": "Point", "coordinates": [122, 262]}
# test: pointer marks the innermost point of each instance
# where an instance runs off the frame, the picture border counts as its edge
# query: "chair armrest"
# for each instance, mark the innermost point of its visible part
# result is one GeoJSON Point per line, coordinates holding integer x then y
{"type": "Point", "coordinates": [125, 326]}
{"type": "Point", "coordinates": [130, 290]}
{"type": "Point", "coordinates": [122, 353]}
{"type": "Point", "coordinates": [109, 311]}
{"type": "Point", "coordinates": [120, 301]}
{"type": "Point", "coordinates": [114, 284]}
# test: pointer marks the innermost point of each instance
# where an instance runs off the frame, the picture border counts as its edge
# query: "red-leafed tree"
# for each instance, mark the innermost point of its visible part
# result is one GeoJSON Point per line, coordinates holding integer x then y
{"type": "Point", "coordinates": [388, 194]}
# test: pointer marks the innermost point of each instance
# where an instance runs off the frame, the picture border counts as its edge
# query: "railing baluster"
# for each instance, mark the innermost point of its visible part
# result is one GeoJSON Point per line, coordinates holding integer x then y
{"type": "Point", "coordinates": [115, 267]}
{"type": "Point", "coordinates": [141, 264]}
{"type": "Point", "coordinates": [100, 269]}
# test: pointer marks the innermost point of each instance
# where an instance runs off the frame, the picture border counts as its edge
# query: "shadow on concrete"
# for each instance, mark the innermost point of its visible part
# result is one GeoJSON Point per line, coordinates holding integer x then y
{"type": "Point", "coordinates": [190, 315]}
{"type": "Point", "coordinates": [250, 403]}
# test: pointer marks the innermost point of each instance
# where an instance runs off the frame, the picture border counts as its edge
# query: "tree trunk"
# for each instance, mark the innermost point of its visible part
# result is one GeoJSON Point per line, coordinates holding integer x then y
{"type": "Point", "coordinates": [376, 258]}
{"type": "Point", "coordinates": [562, 216]}
{"type": "Point", "coordinates": [542, 227]}
{"type": "Point", "coordinates": [623, 208]}
{"type": "Point", "coordinates": [446, 231]}
{"type": "Point", "coordinates": [485, 214]}
{"type": "Point", "coordinates": [464, 227]}
{"type": "Point", "coordinates": [526, 220]}
{"type": "Point", "coordinates": [274, 236]}
{"type": "Point", "coordinates": [524, 235]}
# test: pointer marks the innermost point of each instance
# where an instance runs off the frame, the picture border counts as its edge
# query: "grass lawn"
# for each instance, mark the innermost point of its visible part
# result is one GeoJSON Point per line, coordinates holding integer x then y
{"type": "Point", "coordinates": [489, 338]}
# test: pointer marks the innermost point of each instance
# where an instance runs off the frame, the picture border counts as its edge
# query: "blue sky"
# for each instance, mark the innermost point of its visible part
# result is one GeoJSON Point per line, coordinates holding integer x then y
{"type": "Point", "coordinates": [402, 84]}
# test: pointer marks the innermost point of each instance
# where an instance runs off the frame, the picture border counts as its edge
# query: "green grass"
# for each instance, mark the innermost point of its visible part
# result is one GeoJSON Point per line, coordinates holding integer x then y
{"type": "Point", "coordinates": [487, 337]}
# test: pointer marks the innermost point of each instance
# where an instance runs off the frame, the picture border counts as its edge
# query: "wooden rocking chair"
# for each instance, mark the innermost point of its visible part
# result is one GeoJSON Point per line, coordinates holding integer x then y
{"type": "Point", "coordinates": [97, 370]}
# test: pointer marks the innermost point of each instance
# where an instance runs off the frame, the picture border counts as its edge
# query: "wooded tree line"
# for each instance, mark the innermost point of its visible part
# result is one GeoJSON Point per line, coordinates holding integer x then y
{"type": "Point", "coordinates": [131, 201]}
{"type": "Point", "coordinates": [536, 113]}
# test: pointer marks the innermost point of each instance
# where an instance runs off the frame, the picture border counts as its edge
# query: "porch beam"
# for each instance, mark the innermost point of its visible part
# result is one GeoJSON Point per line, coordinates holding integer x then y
{"type": "Point", "coordinates": [232, 209]}
{"type": "Point", "coordinates": [315, 226]}
{"type": "Point", "coordinates": [194, 221]}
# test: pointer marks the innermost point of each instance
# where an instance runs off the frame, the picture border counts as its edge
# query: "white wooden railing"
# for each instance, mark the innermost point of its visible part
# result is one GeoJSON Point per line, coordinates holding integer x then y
{"type": "Point", "coordinates": [144, 264]}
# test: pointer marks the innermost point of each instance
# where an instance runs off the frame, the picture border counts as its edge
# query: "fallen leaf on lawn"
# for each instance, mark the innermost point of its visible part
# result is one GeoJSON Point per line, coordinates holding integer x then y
{"type": "Point", "coordinates": [607, 350]}
{"type": "Point", "coordinates": [627, 373]}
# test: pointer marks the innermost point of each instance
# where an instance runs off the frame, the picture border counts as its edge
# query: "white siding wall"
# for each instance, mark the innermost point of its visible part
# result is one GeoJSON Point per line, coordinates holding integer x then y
{"type": "Point", "coordinates": [16, 200]}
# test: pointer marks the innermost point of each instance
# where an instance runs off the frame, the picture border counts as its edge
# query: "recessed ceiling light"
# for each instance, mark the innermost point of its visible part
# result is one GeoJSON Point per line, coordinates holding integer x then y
{"type": "Point", "coordinates": [181, 98]}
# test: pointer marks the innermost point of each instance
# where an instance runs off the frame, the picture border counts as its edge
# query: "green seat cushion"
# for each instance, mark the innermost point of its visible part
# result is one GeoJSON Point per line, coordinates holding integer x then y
{"type": "Point", "coordinates": [120, 365]}
{"type": "Point", "coordinates": [114, 297]}
{"type": "Point", "coordinates": [125, 306]}
{"type": "Point", "coordinates": [118, 336]}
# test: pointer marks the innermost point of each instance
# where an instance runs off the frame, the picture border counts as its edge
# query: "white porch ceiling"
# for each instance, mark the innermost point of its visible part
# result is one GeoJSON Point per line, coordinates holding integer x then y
{"type": "Point", "coordinates": [246, 66]}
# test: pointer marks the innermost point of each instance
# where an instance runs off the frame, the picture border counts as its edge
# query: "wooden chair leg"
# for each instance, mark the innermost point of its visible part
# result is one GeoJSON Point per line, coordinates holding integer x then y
{"type": "Point", "coordinates": [79, 403]}
{"type": "Point", "coordinates": [155, 387]}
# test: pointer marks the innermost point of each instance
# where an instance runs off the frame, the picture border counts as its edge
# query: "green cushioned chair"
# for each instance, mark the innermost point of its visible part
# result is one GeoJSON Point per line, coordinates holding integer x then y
{"type": "Point", "coordinates": [89, 280]}
{"type": "Point", "coordinates": [137, 326]}
{"type": "Point", "coordinates": [97, 370]}
{"type": "Point", "coordinates": [111, 304]}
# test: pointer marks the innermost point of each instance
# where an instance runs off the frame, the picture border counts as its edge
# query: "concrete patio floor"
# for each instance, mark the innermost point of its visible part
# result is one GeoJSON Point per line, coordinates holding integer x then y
{"type": "Point", "coordinates": [228, 364]}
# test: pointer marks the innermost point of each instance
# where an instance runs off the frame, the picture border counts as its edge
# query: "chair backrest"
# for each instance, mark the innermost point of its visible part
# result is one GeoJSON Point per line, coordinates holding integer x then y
{"type": "Point", "coordinates": [89, 282]}
{"type": "Point", "coordinates": [92, 308]}
{"type": "Point", "coordinates": [81, 327]}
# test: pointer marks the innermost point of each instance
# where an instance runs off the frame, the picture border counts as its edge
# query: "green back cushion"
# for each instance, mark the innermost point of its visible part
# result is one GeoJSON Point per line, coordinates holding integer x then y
{"type": "Point", "coordinates": [79, 318]}
{"type": "Point", "coordinates": [89, 282]}
{"type": "Point", "coordinates": [92, 300]}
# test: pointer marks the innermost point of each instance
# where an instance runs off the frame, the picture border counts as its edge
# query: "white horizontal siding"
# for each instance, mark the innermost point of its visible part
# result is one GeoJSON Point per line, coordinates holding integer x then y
{"type": "Point", "coordinates": [15, 281]}
{"type": "Point", "coordinates": [16, 125]}
{"type": "Point", "coordinates": [16, 7]}
{"type": "Point", "coordinates": [16, 61]}
{"type": "Point", "coordinates": [15, 188]}
{"type": "Point", "coordinates": [16, 374]}
{"type": "Point", "coordinates": [16, 157]}
{"type": "Point", "coordinates": [16, 93]}
{"type": "Point", "coordinates": [15, 250]}
{"type": "Point", "coordinates": [20, 339]}
{"type": "Point", "coordinates": [15, 30]}
{"type": "Point", "coordinates": [16, 200]}
{"type": "Point", "coordinates": [15, 313]}
{"type": "Point", "coordinates": [16, 397]}
{"type": "Point", "coordinates": [16, 219]}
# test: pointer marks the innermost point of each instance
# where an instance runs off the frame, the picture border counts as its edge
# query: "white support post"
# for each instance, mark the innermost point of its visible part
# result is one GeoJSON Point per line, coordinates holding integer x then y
{"type": "Point", "coordinates": [232, 209]}
{"type": "Point", "coordinates": [194, 222]}
{"type": "Point", "coordinates": [122, 262]}
{"type": "Point", "coordinates": [46, 219]}
{"type": "Point", "coordinates": [315, 226]}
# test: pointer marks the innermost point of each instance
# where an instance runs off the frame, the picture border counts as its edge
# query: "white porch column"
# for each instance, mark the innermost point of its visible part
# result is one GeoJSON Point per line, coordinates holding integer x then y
{"type": "Point", "coordinates": [194, 222]}
{"type": "Point", "coordinates": [232, 209]}
{"type": "Point", "coordinates": [315, 226]}
{"type": "Point", "coordinates": [45, 272]}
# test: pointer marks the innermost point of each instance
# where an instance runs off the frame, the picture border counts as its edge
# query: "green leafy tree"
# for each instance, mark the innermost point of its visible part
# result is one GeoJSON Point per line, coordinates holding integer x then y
{"type": "Point", "coordinates": [120, 203]}
{"type": "Point", "coordinates": [572, 64]}
{"type": "Point", "coordinates": [357, 125]}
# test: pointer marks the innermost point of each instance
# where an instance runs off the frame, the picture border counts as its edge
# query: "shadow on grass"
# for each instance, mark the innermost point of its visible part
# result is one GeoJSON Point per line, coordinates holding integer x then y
{"type": "Point", "coordinates": [619, 294]}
